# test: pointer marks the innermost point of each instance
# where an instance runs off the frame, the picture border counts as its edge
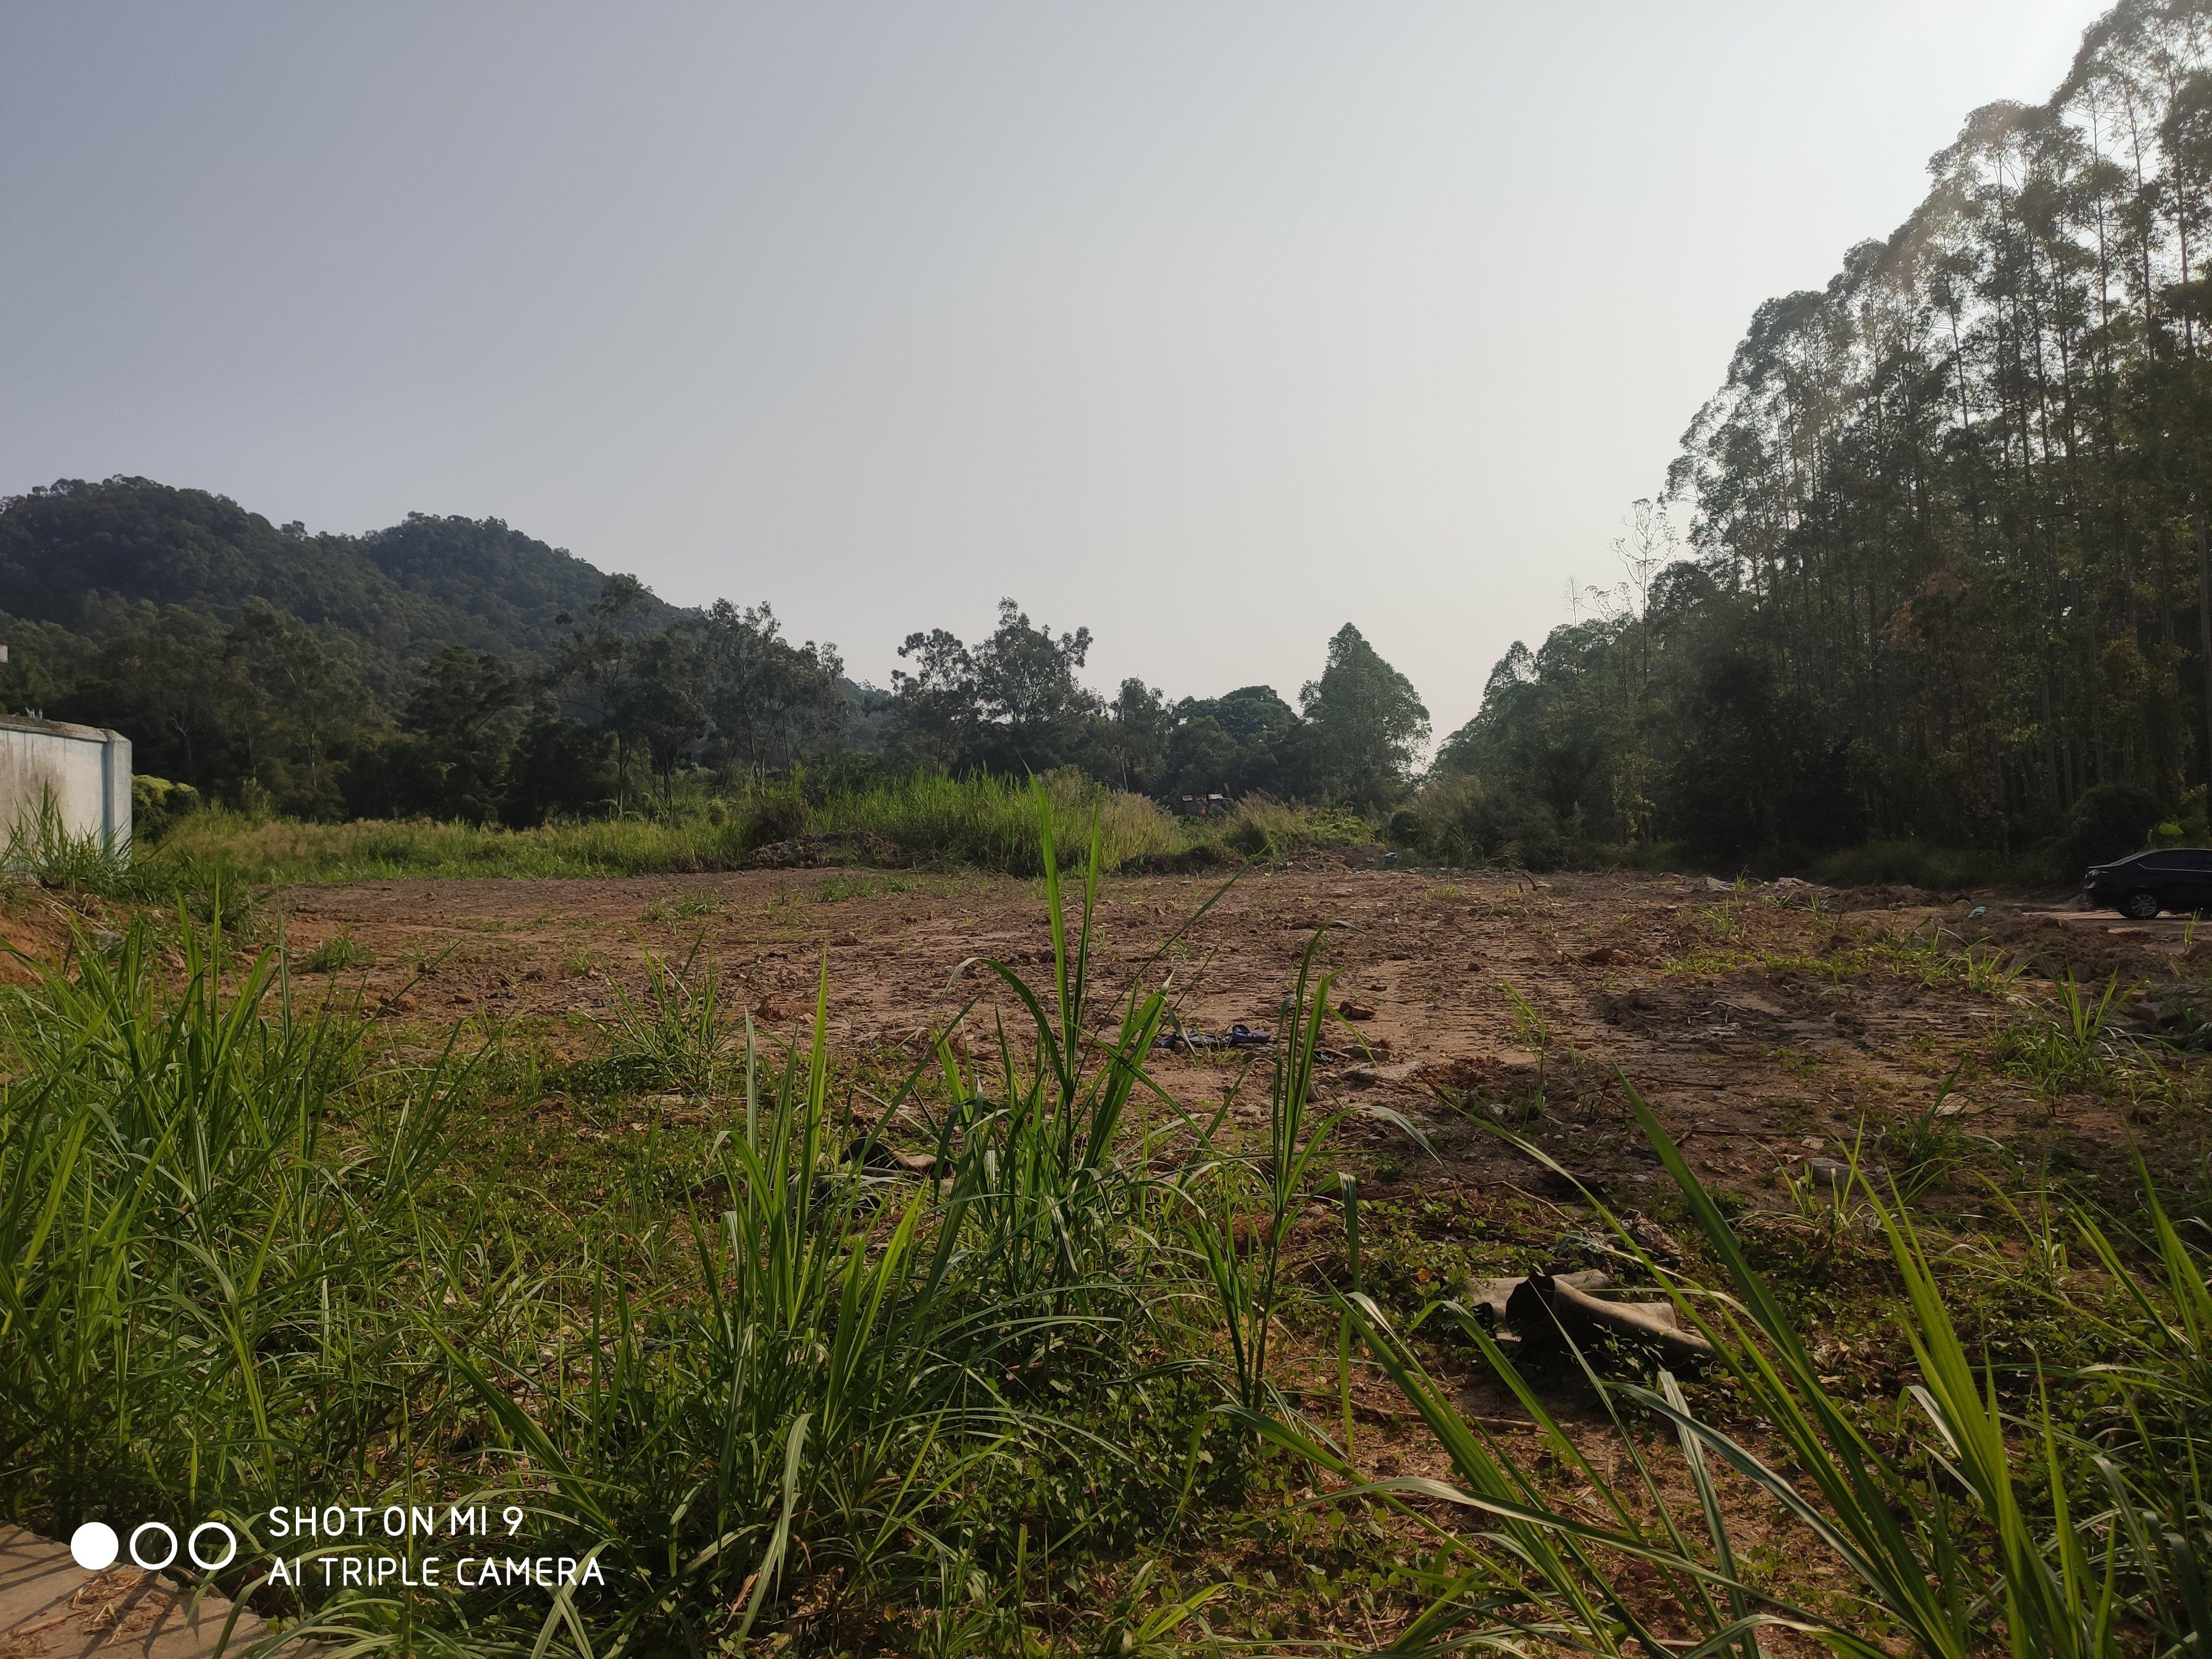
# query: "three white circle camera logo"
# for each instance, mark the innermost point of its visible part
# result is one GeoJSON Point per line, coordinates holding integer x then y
{"type": "Point", "coordinates": [95, 1546]}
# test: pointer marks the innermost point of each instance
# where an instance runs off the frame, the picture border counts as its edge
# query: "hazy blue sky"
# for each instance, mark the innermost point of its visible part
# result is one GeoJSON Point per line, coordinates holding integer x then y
{"type": "Point", "coordinates": [1211, 326]}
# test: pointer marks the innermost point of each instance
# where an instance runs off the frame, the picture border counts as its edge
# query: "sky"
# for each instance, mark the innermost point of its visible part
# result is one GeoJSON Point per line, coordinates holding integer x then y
{"type": "Point", "coordinates": [1209, 326]}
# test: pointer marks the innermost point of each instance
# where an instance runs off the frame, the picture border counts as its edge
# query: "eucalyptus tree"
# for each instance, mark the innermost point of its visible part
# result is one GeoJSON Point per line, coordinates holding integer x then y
{"type": "Point", "coordinates": [1949, 511]}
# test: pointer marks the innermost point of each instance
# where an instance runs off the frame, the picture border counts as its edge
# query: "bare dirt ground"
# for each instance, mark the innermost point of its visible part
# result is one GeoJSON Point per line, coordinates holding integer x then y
{"type": "Point", "coordinates": [1763, 1026]}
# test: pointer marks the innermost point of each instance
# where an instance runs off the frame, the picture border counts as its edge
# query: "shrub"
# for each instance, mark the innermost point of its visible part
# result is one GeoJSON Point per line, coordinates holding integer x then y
{"type": "Point", "coordinates": [1261, 827]}
{"type": "Point", "coordinates": [156, 803]}
{"type": "Point", "coordinates": [1461, 820]}
{"type": "Point", "coordinates": [775, 817]}
{"type": "Point", "coordinates": [1913, 864]}
{"type": "Point", "coordinates": [2108, 822]}
{"type": "Point", "coordinates": [981, 823]}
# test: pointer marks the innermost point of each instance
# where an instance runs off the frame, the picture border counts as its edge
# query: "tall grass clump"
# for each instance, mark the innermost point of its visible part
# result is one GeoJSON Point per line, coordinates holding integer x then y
{"type": "Point", "coordinates": [40, 847]}
{"type": "Point", "coordinates": [197, 1270]}
{"type": "Point", "coordinates": [993, 824]}
{"type": "Point", "coordinates": [1261, 827]}
{"type": "Point", "coordinates": [265, 850]}
{"type": "Point", "coordinates": [817, 1401]}
{"type": "Point", "coordinates": [820, 1410]}
{"type": "Point", "coordinates": [1986, 1516]}
{"type": "Point", "coordinates": [927, 818]}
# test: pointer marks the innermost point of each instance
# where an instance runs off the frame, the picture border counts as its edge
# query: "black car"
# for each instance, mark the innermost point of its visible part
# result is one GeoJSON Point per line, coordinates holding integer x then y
{"type": "Point", "coordinates": [2171, 878]}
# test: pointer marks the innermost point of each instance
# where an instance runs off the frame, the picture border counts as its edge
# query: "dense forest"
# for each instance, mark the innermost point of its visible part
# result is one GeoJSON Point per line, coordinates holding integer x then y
{"type": "Point", "coordinates": [1942, 567]}
{"type": "Point", "coordinates": [456, 669]}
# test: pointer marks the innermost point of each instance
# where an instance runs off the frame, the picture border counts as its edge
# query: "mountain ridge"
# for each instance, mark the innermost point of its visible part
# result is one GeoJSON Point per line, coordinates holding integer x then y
{"type": "Point", "coordinates": [90, 557]}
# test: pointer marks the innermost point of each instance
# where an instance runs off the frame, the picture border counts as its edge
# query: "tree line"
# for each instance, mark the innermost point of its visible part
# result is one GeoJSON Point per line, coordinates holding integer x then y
{"type": "Point", "coordinates": [377, 704]}
{"type": "Point", "coordinates": [1945, 574]}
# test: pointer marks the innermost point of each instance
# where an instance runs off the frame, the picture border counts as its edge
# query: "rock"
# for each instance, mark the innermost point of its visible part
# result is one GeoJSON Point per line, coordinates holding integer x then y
{"type": "Point", "coordinates": [878, 1158]}
{"type": "Point", "coordinates": [1487, 1300]}
{"type": "Point", "coordinates": [1492, 1297]}
{"type": "Point", "coordinates": [1351, 1009]}
{"type": "Point", "coordinates": [1371, 1076]}
{"type": "Point", "coordinates": [1654, 1240]}
{"type": "Point", "coordinates": [1551, 1303]}
{"type": "Point", "coordinates": [1835, 1176]}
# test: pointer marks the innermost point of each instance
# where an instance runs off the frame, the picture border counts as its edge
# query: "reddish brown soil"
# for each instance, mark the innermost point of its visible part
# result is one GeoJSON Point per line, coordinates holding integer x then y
{"type": "Point", "coordinates": [1725, 1011]}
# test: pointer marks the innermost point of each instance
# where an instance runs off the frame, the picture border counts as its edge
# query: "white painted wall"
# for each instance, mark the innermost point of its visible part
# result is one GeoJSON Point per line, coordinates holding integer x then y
{"type": "Point", "coordinates": [84, 770]}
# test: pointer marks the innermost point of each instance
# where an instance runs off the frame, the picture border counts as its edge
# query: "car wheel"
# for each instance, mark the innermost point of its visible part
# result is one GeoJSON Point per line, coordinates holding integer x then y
{"type": "Point", "coordinates": [2142, 906]}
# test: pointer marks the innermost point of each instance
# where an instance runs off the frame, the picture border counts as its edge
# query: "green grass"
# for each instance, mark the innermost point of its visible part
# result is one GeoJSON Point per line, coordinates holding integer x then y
{"type": "Point", "coordinates": [1929, 954]}
{"type": "Point", "coordinates": [1259, 827]}
{"type": "Point", "coordinates": [2076, 1044]}
{"type": "Point", "coordinates": [1916, 863]}
{"type": "Point", "coordinates": [245, 1259]}
{"type": "Point", "coordinates": [928, 819]}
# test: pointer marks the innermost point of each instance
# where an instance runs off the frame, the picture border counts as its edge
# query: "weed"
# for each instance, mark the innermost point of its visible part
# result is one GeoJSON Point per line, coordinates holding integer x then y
{"type": "Point", "coordinates": [182, 1239]}
{"type": "Point", "coordinates": [41, 845]}
{"type": "Point", "coordinates": [1534, 1032]}
{"type": "Point", "coordinates": [1260, 827]}
{"type": "Point", "coordinates": [672, 907]}
{"type": "Point", "coordinates": [675, 1036]}
{"type": "Point", "coordinates": [340, 951]}
{"type": "Point", "coordinates": [1925, 1150]}
{"type": "Point", "coordinates": [835, 890]}
{"type": "Point", "coordinates": [2073, 1046]}
{"type": "Point", "coordinates": [1983, 968]}
{"type": "Point", "coordinates": [927, 818]}
{"type": "Point", "coordinates": [1246, 1280]}
{"type": "Point", "coordinates": [2071, 1540]}
{"type": "Point", "coordinates": [787, 909]}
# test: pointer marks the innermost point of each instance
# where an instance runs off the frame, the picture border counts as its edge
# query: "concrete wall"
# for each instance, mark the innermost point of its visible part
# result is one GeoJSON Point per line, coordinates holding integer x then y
{"type": "Point", "coordinates": [84, 771]}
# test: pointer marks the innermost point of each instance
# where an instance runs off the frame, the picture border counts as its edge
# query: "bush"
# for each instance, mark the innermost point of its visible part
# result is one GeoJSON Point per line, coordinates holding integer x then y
{"type": "Point", "coordinates": [2108, 822]}
{"type": "Point", "coordinates": [1462, 820]}
{"type": "Point", "coordinates": [1911, 864]}
{"type": "Point", "coordinates": [1261, 827]}
{"type": "Point", "coordinates": [776, 817]}
{"type": "Point", "coordinates": [156, 803]}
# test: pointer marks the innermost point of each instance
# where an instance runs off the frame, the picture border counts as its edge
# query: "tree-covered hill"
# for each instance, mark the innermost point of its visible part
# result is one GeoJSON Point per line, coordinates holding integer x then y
{"type": "Point", "coordinates": [91, 557]}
